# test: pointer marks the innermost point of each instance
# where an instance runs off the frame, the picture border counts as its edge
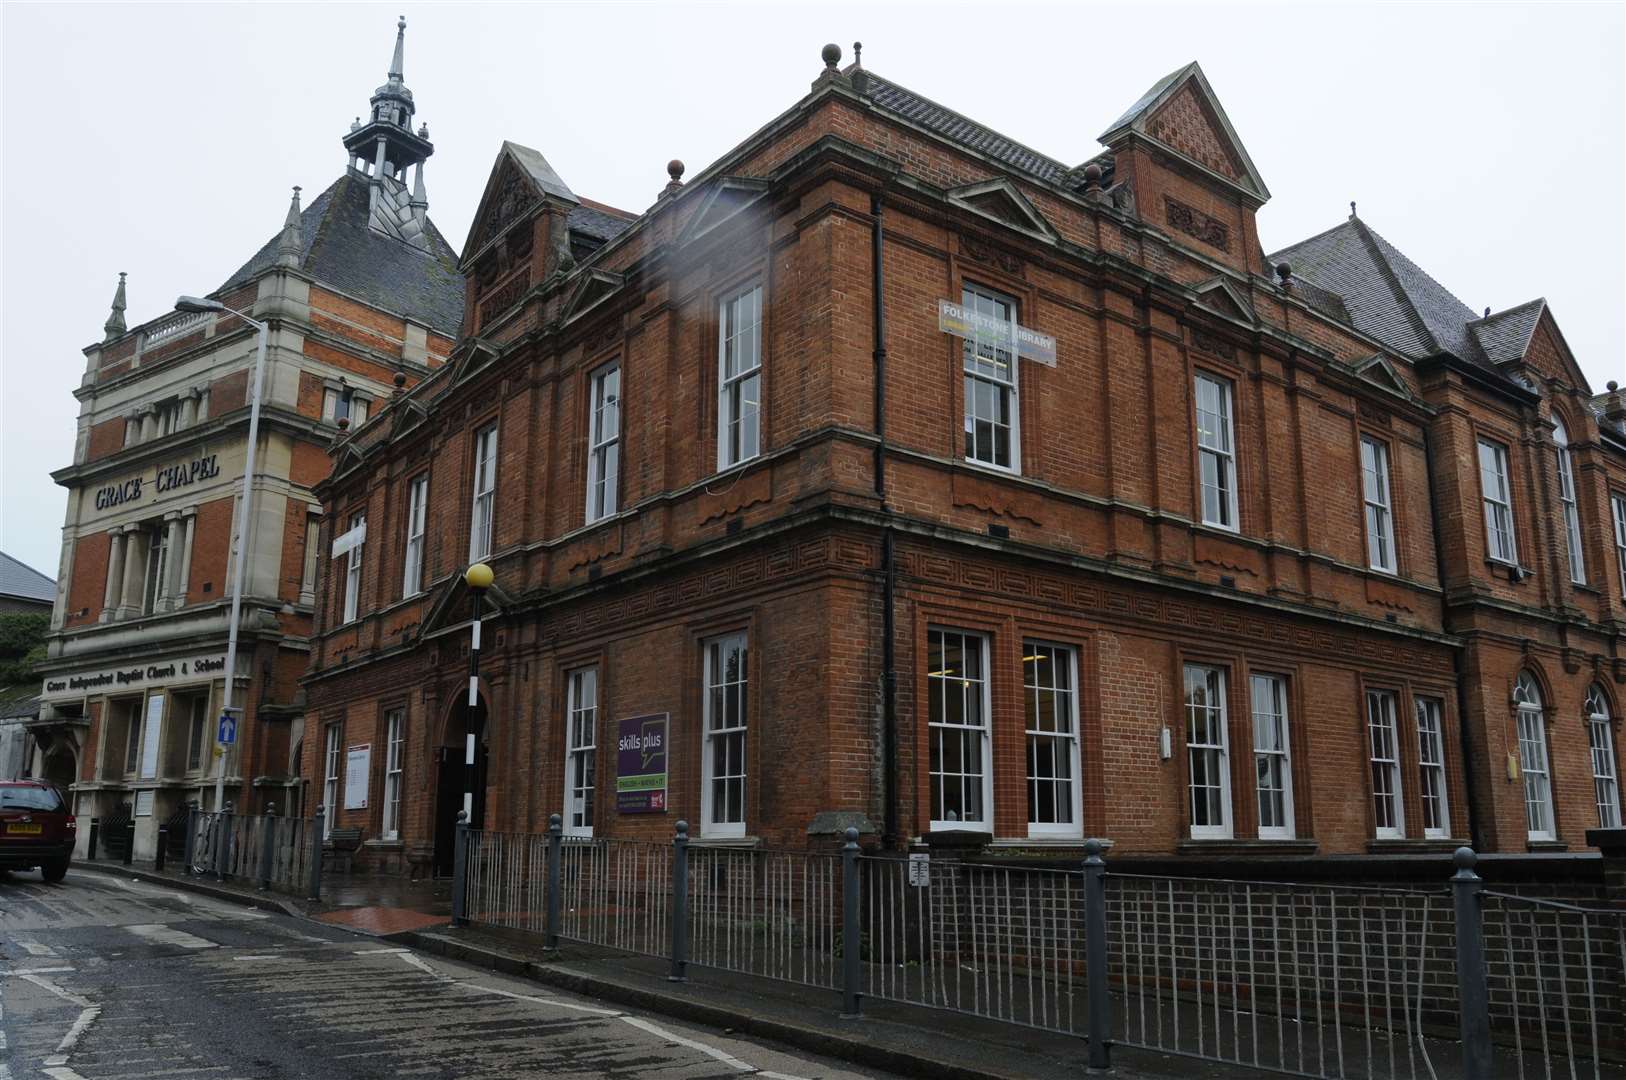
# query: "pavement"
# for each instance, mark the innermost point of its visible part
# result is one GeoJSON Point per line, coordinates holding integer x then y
{"type": "Point", "coordinates": [110, 976]}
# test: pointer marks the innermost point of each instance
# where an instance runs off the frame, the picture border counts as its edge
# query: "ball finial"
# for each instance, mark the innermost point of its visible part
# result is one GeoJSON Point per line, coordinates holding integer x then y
{"type": "Point", "coordinates": [1092, 175]}
{"type": "Point", "coordinates": [400, 380]}
{"type": "Point", "coordinates": [1613, 385]}
{"type": "Point", "coordinates": [1465, 858]}
{"type": "Point", "coordinates": [1284, 271]}
{"type": "Point", "coordinates": [832, 55]}
{"type": "Point", "coordinates": [344, 423]}
{"type": "Point", "coordinates": [674, 169]}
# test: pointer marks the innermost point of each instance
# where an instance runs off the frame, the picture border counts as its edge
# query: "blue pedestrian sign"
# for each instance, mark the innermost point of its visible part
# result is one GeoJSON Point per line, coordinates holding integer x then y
{"type": "Point", "coordinates": [228, 729]}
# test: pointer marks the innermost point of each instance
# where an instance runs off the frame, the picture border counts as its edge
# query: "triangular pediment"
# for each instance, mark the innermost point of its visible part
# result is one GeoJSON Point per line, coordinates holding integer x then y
{"type": "Point", "coordinates": [520, 180]}
{"type": "Point", "coordinates": [1549, 354]}
{"type": "Point", "coordinates": [728, 197]}
{"type": "Point", "coordinates": [595, 287]}
{"type": "Point", "coordinates": [346, 456]}
{"type": "Point", "coordinates": [1002, 201]}
{"type": "Point", "coordinates": [1181, 114]}
{"type": "Point", "coordinates": [469, 357]}
{"type": "Point", "coordinates": [1379, 370]}
{"type": "Point", "coordinates": [408, 413]}
{"type": "Point", "coordinates": [450, 606]}
{"type": "Point", "coordinates": [1222, 297]}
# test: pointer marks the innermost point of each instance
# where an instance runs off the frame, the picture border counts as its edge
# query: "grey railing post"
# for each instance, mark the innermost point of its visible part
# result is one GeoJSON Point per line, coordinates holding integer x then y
{"type": "Point", "coordinates": [129, 838]}
{"type": "Point", "coordinates": [1095, 955]}
{"type": "Point", "coordinates": [851, 969]}
{"type": "Point", "coordinates": [460, 871]}
{"type": "Point", "coordinates": [163, 843]}
{"type": "Point", "coordinates": [317, 824]}
{"type": "Point", "coordinates": [1473, 989]}
{"type": "Point", "coordinates": [556, 833]}
{"type": "Point", "coordinates": [680, 903]}
{"type": "Point", "coordinates": [223, 848]}
{"type": "Point", "coordinates": [268, 844]}
{"type": "Point", "coordinates": [189, 847]}
{"type": "Point", "coordinates": [90, 845]}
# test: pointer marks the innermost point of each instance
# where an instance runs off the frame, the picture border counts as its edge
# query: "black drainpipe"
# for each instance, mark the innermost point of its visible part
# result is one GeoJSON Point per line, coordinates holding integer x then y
{"type": "Point", "coordinates": [1463, 735]}
{"type": "Point", "coordinates": [889, 660]}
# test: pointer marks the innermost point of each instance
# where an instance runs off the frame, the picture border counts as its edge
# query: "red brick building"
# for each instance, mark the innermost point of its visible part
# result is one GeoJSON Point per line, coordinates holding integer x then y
{"type": "Point", "coordinates": [359, 291]}
{"type": "Point", "coordinates": [922, 481]}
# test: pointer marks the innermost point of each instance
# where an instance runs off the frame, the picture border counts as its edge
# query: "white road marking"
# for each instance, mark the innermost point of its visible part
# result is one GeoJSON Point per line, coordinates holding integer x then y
{"type": "Point", "coordinates": [87, 1016]}
{"type": "Point", "coordinates": [259, 956]}
{"type": "Point", "coordinates": [554, 1002]}
{"type": "Point", "coordinates": [160, 934]}
{"type": "Point", "coordinates": [711, 1051]}
{"type": "Point", "coordinates": [37, 948]}
{"type": "Point", "coordinates": [419, 963]}
{"type": "Point", "coordinates": [62, 1072]}
{"type": "Point", "coordinates": [380, 952]}
{"type": "Point", "coordinates": [25, 972]}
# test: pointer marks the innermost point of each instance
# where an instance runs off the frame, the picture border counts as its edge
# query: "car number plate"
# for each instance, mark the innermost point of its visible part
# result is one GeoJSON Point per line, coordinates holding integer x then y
{"type": "Point", "coordinates": [24, 830]}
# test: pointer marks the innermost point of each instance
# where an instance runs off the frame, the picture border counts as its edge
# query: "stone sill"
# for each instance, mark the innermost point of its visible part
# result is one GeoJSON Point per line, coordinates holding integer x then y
{"type": "Point", "coordinates": [1409, 846]}
{"type": "Point", "coordinates": [1247, 846]}
{"type": "Point", "coordinates": [722, 841]}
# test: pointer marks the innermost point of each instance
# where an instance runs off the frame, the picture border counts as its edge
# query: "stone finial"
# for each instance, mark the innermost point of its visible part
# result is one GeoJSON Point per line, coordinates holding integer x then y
{"type": "Point", "coordinates": [114, 326]}
{"type": "Point", "coordinates": [400, 382]}
{"type": "Point", "coordinates": [832, 56]}
{"type": "Point", "coordinates": [291, 244]}
{"type": "Point", "coordinates": [344, 424]}
{"type": "Point", "coordinates": [858, 54]}
{"type": "Point", "coordinates": [355, 125]}
{"type": "Point", "coordinates": [674, 169]}
{"type": "Point", "coordinates": [398, 61]}
{"type": "Point", "coordinates": [1614, 406]}
{"type": "Point", "coordinates": [1092, 176]}
{"type": "Point", "coordinates": [1352, 209]}
{"type": "Point", "coordinates": [1284, 275]}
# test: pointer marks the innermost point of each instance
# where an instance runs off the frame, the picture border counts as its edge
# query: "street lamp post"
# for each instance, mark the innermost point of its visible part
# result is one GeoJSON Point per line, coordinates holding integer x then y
{"type": "Point", "coordinates": [478, 578]}
{"type": "Point", "coordinates": [197, 304]}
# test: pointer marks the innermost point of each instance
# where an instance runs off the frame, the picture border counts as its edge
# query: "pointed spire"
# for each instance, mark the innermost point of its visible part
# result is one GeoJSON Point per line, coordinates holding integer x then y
{"type": "Point", "coordinates": [397, 62]}
{"type": "Point", "coordinates": [291, 245]}
{"type": "Point", "coordinates": [114, 327]}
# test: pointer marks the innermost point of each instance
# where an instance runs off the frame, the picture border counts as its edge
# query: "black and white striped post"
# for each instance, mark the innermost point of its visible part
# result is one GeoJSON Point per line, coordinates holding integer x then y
{"type": "Point", "coordinates": [478, 578]}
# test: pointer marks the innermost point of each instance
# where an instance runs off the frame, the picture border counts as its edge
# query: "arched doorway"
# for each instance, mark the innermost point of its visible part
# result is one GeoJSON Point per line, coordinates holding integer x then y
{"type": "Point", "coordinates": [453, 779]}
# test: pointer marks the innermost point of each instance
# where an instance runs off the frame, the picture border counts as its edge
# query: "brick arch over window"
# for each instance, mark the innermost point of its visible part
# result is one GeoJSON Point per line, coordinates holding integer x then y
{"type": "Point", "coordinates": [1530, 698]}
{"type": "Point", "coordinates": [1601, 719]}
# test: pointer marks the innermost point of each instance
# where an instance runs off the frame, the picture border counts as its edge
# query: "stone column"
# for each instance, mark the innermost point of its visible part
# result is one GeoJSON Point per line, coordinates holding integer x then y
{"type": "Point", "coordinates": [189, 408]}
{"type": "Point", "coordinates": [115, 575]}
{"type": "Point", "coordinates": [135, 571]}
{"type": "Point", "coordinates": [169, 589]}
{"type": "Point", "coordinates": [149, 423]}
{"type": "Point", "coordinates": [183, 580]}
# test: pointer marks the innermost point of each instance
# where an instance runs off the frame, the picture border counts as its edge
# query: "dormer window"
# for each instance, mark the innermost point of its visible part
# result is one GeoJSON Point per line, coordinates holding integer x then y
{"type": "Point", "coordinates": [343, 402]}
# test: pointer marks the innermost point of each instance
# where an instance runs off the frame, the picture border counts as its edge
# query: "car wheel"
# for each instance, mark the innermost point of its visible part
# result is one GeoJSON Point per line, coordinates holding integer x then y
{"type": "Point", "coordinates": [54, 872]}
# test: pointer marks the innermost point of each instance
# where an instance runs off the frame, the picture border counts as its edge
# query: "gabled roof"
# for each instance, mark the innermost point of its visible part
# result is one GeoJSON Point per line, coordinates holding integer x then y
{"type": "Point", "coordinates": [540, 172]}
{"type": "Point", "coordinates": [341, 250]}
{"type": "Point", "coordinates": [1387, 296]}
{"type": "Point", "coordinates": [23, 581]}
{"type": "Point", "coordinates": [1505, 336]}
{"type": "Point", "coordinates": [519, 180]}
{"type": "Point", "coordinates": [1143, 119]}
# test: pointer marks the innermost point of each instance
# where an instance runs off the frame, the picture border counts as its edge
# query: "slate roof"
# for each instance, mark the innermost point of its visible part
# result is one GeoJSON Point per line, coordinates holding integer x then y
{"type": "Point", "coordinates": [1506, 335]}
{"type": "Point", "coordinates": [20, 702]}
{"type": "Point", "coordinates": [541, 172]}
{"type": "Point", "coordinates": [341, 250]}
{"type": "Point", "coordinates": [20, 580]}
{"type": "Point", "coordinates": [1386, 295]}
{"type": "Point", "coordinates": [595, 223]}
{"type": "Point", "coordinates": [963, 130]}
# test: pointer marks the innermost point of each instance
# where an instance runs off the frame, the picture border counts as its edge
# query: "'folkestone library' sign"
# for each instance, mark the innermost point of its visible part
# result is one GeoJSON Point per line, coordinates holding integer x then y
{"type": "Point", "coordinates": [640, 765]}
{"type": "Point", "coordinates": [137, 677]}
{"type": "Point", "coordinates": [165, 478]}
{"type": "Point", "coordinates": [961, 321]}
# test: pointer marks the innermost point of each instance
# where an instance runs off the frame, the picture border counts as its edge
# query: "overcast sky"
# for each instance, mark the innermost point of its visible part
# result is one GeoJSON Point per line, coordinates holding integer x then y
{"type": "Point", "coordinates": [1485, 141]}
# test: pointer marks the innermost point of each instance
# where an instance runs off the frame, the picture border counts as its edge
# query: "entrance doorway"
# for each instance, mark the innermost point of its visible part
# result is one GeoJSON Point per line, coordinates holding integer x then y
{"type": "Point", "coordinates": [451, 780]}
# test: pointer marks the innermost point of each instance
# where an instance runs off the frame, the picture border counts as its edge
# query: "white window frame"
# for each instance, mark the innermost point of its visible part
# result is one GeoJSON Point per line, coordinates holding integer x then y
{"type": "Point", "coordinates": [1535, 766]}
{"type": "Point", "coordinates": [1383, 750]}
{"type": "Point", "coordinates": [725, 733]}
{"type": "Point", "coordinates": [982, 364]}
{"type": "Point", "coordinates": [739, 377]}
{"type": "Point", "coordinates": [352, 573]}
{"type": "Point", "coordinates": [333, 761]}
{"type": "Point", "coordinates": [972, 689]}
{"type": "Point", "coordinates": [581, 745]}
{"type": "Point", "coordinates": [1601, 742]}
{"type": "Point", "coordinates": [604, 443]}
{"type": "Point", "coordinates": [1215, 756]}
{"type": "Point", "coordinates": [1501, 542]}
{"type": "Point", "coordinates": [394, 747]}
{"type": "Point", "coordinates": [1216, 443]}
{"type": "Point", "coordinates": [1376, 494]}
{"type": "Point", "coordinates": [417, 519]}
{"type": "Point", "coordinates": [1566, 500]}
{"type": "Point", "coordinates": [1272, 746]}
{"type": "Point", "coordinates": [1618, 504]}
{"type": "Point", "coordinates": [1050, 678]}
{"type": "Point", "coordinates": [1432, 791]}
{"type": "Point", "coordinates": [155, 569]}
{"type": "Point", "coordinates": [483, 506]}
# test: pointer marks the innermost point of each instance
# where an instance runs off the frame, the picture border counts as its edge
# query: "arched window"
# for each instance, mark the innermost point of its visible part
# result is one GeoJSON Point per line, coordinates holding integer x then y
{"type": "Point", "coordinates": [1566, 497]}
{"type": "Point", "coordinates": [1538, 788]}
{"type": "Point", "coordinates": [1601, 738]}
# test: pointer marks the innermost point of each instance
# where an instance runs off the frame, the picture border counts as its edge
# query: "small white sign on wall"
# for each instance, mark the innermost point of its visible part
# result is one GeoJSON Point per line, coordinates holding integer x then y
{"type": "Point", "coordinates": [920, 869]}
{"type": "Point", "coordinates": [358, 761]}
{"type": "Point", "coordinates": [149, 736]}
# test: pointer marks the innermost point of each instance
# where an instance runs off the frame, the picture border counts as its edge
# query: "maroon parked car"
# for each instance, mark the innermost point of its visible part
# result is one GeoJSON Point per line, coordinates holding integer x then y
{"type": "Point", "coordinates": [36, 829]}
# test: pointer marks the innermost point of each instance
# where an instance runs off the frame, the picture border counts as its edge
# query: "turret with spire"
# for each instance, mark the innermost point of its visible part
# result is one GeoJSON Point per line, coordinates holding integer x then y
{"type": "Point", "coordinates": [291, 245]}
{"type": "Point", "coordinates": [114, 327]}
{"type": "Point", "coordinates": [384, 148]}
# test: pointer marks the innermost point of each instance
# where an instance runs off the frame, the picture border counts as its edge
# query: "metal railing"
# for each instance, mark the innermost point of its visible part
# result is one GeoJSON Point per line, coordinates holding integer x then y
{"type": "Point", "coordinates": [1305, 980]}
{"type": "Point", "coordinates": [274, 852]}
